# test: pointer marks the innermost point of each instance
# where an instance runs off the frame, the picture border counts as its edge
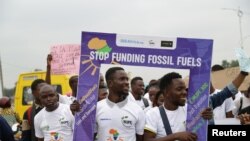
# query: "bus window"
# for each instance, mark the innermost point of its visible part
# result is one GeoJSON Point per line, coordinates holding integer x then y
{"type": "Point", "coordinates": [27, 96]}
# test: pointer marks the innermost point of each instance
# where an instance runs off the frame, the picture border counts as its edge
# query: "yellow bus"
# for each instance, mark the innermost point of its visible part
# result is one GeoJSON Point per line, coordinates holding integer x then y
{"type": "Point", "coordinates": [23, 94]}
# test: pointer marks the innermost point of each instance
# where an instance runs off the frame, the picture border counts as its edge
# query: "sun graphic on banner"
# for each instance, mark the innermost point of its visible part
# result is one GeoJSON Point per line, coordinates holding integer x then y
{"type": "Point", "coordinates": [90, 66]}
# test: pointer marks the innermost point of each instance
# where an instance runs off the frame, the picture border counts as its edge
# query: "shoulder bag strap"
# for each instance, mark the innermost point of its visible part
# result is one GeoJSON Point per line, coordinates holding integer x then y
{"type": "Point", "coordinates": [165, 120]}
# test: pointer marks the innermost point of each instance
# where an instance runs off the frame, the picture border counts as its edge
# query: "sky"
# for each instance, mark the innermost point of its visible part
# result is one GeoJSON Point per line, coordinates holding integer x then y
{"type": "Point", "coordinates": [28, 28]}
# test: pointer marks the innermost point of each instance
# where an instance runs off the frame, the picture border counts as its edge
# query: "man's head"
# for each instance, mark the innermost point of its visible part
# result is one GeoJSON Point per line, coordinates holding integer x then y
{"type": "Point", "coordinates": [49, 97]}
{"type": "Point", "coordinates": [159, 99]}
{"type": "Point", "coordinates": [102, 92]}
{"type": "Point", "coordinates": [117, 81]}
{"type": "Point", "coordinates": [137, 86]}
{"type": "Point", "coordinates": [35, 89]}
{"type": "Point", "coordinates": [101, 81]}
{"type": "Point", "coordinates": [153, 89]}
{"type": "Point", "coordinates": [174, 89]}
{"type": "Point", "coordinates": [73, 82]}
{"type": "Point", "coordinates": [5, 102]}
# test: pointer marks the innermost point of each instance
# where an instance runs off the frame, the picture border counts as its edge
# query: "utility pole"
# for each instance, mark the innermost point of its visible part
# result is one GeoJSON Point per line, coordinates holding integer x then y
{"type": "Point", "coordinates": [1, 78]}
{"type": "Point", "coordinates": [239, 14]}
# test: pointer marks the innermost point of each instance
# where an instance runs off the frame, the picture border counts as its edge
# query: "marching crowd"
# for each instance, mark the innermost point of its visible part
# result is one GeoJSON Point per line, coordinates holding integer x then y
{"type": "Point", "coordinates": [155, 113]}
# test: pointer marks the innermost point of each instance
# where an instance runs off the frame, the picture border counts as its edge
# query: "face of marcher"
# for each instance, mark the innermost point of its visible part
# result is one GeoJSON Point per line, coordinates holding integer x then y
{"type": "Point", "coordinates": [73, 84]}
{"type": "Point", "coordinates": [160, 100]}
{"type": "Point", "coordinates": [101, 80]}
{"type": "Point", "coordinates": [102, 93]}
{"type": "Point", "coordinates": [138, 87]}
{"type": "Point", "coordinates": [177, 92]}
{"type": "Point", "coordinates": [119, 84]}
{"type": "Point", "coordinates": [49, 98]}
{"type": "Point", "coordinates": [36, 93]}
{"type": "Point", "coordinates": [152, 93]}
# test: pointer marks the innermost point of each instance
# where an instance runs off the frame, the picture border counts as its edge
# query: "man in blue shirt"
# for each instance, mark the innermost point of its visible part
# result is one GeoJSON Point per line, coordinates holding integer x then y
{"type": "Point", "coordinates": [6, 133]}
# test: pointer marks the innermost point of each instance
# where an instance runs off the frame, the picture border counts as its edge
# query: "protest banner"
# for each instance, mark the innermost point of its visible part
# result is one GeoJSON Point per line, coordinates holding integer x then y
{"type": "Point", "coordinates": [66, 59]}
{"type": "Point", "coordinates": [176, 53]}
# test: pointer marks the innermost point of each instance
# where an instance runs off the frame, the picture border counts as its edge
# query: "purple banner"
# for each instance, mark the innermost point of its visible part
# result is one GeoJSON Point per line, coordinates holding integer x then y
{"type": "Point", "coordinates": [177, 53]}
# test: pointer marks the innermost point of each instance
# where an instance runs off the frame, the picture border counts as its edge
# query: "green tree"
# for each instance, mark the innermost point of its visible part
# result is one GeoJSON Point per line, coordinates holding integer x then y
{"type": "Point", "coordinates": [234, 63]}
{"type": "Point", "coordinates": [227, 64]}
{"type": "Point", "coordinates": [9, 92]}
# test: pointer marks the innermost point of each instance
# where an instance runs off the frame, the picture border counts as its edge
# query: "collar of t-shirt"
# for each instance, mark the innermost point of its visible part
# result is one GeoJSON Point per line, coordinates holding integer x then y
{"type": "Point", "coordinates": [119, 104]}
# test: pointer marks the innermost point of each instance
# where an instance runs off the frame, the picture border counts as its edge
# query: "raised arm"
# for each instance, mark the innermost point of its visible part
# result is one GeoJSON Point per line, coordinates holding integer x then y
{"type": "Point", "coordinates": [48, 71]}
{"type": "Point", "coordinates": [230, 90]}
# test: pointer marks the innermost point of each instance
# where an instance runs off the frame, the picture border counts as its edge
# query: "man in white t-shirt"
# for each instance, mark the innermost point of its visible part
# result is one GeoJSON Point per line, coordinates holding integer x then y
{"type": "Point", "coordinates": [225, 110]}
{"type": "Point", "coordinates": [174, 91]}
{"type": "Point", "coordinates": [242, 102]}
{"type": "Point", "coordinates": [118, 118]}
{"type": "Point", "coordinates": [137, 91]}
{"type": "Point", "coordinates": [55, 121]}
{"type": "Point", "coordinates": [175, 95]}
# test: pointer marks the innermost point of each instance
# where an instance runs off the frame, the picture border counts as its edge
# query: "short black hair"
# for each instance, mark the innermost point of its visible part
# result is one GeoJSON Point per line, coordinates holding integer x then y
{"type": "Point", "coordinates": [72, 78]}
{"type": "Point", "coordinates": [35, 83]}
{"type": "Point", "coordinates": [111, 71]}
{"type": "Point", "coordinates": [166, 80]}
{"type": "Point", "coordinates": [155, 84]}
{"type": "Point", "coordinates": [135, 79]}
{"type": "Point", "coordinates": [217, 68]}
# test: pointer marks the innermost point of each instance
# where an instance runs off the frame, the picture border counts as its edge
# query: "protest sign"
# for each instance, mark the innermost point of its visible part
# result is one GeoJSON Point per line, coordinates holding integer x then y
{"type": "Point", "coordinates": [175, 53]}
{"type": "Point", "coordinates": [66, 59]}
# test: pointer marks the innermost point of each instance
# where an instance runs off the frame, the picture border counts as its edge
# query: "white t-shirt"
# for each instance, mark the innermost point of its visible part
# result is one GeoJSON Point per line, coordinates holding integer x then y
{"type": "Point", "coordinates": [177, 121]}
{"type": "Point", "coordinates": [245, 103]}
{"type": "Point", "coordinates": [119, 121]}
{"type": "Point", "coordinates": [220, 111]}
{"type": "Point", "coordinates": [64, 99]}
{"type": "Point", "coordinates": [138, 102]}
{"type": "Point", "coordinates": [57, 125]}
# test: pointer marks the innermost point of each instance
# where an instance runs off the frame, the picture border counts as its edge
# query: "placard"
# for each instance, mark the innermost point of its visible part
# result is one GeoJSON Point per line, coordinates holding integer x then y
{"type": "Point", "coordinates": [66, 59]}
{"type": "Point", "coordinates": [177, 53]}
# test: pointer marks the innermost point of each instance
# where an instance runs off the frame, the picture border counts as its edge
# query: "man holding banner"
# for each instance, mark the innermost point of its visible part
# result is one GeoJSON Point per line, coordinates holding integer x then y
{"type": "Point", "coordinates": [117, 118]}
{"type": "Point", "coordinates": [174, 110]}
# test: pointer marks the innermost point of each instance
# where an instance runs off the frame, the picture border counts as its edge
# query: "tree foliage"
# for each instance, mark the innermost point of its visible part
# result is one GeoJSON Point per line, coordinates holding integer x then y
{"type": "Point", "coordinates": [9, 92]}
{"type": "Point", "coordinates": [227, 64]}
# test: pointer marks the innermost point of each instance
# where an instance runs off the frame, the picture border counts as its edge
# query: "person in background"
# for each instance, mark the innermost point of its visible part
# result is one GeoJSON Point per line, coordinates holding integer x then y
{"type": "Point", "coordinates": [102, 92]}
{"type": "Point", "coordinates": [152, 91]}
{"type": "Point", "coordinates": [73, 82]}
{"type": "Point", "coordinates": [147, 88]}
{"type": "Point", "coordinates": [101, 81]}
{"type": "Point", "coordinates": [244, 119]}
{"type": "Point", "coordinates": [158, 100]}
{"type": "Point", "coordinates": [7, 111]}
{"type": "Point", "coordinates": [242, 104]}
{"type": "Point", "coordinates": [225, 109]}
{"type": "Point", "coordinates": [28, 130]}
{"type": "Point", "coordinates": [137, 91]}
{"type": "Point", "coordinates": [6, 133]}
{"type": "Point", "coordinates": [55, 122]}
{"type": "Point", "coordinates": [12, 117]}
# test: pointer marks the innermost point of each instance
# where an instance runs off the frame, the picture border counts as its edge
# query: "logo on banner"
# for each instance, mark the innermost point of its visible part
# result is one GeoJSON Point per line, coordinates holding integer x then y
{"type": "Point", "coordinates": [166, 43]}
{"type": "Point", "coordinates": [99, 45]}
